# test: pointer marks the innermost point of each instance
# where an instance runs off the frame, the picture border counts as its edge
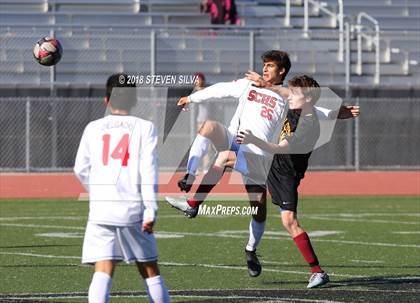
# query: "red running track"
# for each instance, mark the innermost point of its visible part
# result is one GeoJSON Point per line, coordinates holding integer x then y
{"type": "Point", "coordinates": [65, 185]}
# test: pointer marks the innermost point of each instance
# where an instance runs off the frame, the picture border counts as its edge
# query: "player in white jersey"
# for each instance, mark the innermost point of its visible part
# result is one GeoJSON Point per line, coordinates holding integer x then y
{"type": "Point", "coordinates": [276, 66]}
{"type": "Point", "coordinates": [117, 163]}
{"type": "Point", "coordinates": [260, 110]}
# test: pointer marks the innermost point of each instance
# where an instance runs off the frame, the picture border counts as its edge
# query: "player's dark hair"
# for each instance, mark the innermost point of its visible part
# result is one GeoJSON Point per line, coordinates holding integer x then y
{"type": "Point", "coordinates": [281, 58]}
{"type": "Point", "coordinates": [310, 88]}
{"type": "Point", "coordinates": [125, 101]}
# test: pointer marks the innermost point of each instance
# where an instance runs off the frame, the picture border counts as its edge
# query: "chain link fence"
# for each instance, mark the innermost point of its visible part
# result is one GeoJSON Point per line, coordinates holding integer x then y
{"type": "Point", "coordinates": [42, 134]}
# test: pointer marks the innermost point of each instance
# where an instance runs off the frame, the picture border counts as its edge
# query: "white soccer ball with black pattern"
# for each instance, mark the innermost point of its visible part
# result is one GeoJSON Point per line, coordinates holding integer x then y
{"type": "Point", "coordinates": [48, 51]}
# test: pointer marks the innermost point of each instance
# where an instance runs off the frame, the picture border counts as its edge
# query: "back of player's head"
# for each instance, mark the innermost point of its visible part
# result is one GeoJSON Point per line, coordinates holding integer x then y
{"type": "Point", "coordinates": [200, 75]}
{"type": "Point", "coordinates": [123, 99]}
{"type": "Point", "coordinates": [310, 88]}
{"type": "Point", "coordinates": [281, 58]}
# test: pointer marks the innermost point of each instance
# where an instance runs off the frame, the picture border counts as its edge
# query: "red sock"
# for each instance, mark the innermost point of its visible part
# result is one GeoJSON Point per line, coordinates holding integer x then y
{"type": "Point", "coordinates": [304, 245]}
{"type": "Point", "coordinates": [194, 203]}
{"type": "Point", "coordinates": [209, 181]}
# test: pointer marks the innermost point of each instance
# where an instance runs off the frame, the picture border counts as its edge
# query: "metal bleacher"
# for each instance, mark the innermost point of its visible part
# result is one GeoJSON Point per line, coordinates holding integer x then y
{"type": "Point", "coordinates": [103, 37]}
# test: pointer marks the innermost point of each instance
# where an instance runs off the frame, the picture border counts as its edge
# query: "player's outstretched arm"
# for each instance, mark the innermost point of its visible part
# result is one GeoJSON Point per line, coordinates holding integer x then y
{"type": "Point", "coordinates": [344, 112]}
{"type": "Point", "coordinates": [260, 82]}
{"type": "Point", "coordinates": [247, 137]}
{"type": "Point", "coordinates": [219, 90]}
{"type": "Point", "coordinates": [183, 102]}
{"type": "Point", "coordinates": [348, 111]}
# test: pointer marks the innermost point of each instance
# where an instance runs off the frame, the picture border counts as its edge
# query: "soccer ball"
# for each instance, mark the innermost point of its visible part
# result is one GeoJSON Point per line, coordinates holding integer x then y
{"type": "Point", "coordinates": [48, 51]}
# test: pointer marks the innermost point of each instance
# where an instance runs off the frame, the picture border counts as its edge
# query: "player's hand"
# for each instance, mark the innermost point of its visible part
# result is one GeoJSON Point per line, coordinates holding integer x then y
{"type": "Point", "coordinates": [348, 111]}
{"type": "Point", "coordinates": [245, 137]}
{"type": "Point", "coordinates": [183, 103]}
{"type": "Point", "coordinates": [256, 78]}
{"type": "Point", "coordinates": [148, 227]}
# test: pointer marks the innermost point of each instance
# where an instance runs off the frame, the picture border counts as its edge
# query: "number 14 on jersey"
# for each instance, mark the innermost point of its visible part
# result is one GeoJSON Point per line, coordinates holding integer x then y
{"type": "Point", "coordinates": [119, 152]}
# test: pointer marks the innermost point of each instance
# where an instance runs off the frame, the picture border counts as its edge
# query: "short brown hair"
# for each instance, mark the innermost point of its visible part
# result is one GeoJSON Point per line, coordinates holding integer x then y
{"type": "Point", "coordinates": [281, 58]}
{"type": "Point", "coordinates": [310, 88]}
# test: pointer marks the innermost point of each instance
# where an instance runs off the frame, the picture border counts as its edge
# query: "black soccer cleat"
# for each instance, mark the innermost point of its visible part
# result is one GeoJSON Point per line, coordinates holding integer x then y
{"type": "Point", "coordinates": [254, 266]}
{"type": "Point", "coordinates": [186, 183]}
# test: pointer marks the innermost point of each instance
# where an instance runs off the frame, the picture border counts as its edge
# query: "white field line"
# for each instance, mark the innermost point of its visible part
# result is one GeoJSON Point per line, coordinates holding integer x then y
{"type": "Point", "coordinates": [306, 273]}
{"type": "Point", "coordinates": [259, 298]}
{"type": "Point", "coordinates": [42, 226]}
{"type": "Point", "coordinates": [218, 266]}
{"type": "Point", "coordinates": [364, 215]}
{"type": "Point", "coordinates": [75, 295]}
{"type": "Point", "coordinates": [367, 261]}
{"type": "Point", "coordinates": [43, 218]}
{"type": "Point", "coordinates": [406, 232]}
{"type": "Point", "coordinates": [179, 215]}
{"type": "Point", "coordinates": [39, 255]}
{"type": "Point", "coordinates": [359, 220]}
{"type": "Point", "coordinates": [226, 235]}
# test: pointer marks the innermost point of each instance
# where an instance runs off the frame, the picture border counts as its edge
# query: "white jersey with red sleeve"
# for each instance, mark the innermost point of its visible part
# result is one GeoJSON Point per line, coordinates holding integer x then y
{"type": "Point", "coordinates": [260, 110]}
{"type": "Point", "coordinates": [117, 163]}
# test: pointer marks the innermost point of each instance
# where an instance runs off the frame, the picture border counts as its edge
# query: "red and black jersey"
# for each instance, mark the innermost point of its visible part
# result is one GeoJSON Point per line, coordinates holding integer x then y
{"type": "Point", "coordinates": [302, 132]}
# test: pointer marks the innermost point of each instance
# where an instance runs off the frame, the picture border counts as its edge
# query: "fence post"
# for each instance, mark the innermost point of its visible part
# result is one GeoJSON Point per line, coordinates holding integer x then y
{"type": "Point", "coordinates": [357, 141]}
{"type": "Point", "coordinates": [152, 52]}
{"type": "Point", "coordinates": [348, 57]}
{"type": "Point", "coordinates": [305, 19]}
{"type": "Point", "coordinates": [28, 135]}
{"type": "Point", "coordinates": [251, 50]}
{"type": "Point", "coordinates": [341, 31]}
{"type": "Point", "coordinates": [287, 14]}
{"type": "Point", "coordinates": [53, 116]}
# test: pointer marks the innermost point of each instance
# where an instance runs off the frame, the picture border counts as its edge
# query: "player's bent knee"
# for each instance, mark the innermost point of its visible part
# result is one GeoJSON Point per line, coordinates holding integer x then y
{"type": "Point", "coordinates": [148, 269]}
{"type": "Point", "coordinates": [208, 128]}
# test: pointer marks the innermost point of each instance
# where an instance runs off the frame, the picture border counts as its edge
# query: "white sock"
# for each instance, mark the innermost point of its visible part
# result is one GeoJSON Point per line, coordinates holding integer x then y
{"type": "Point", "coordinates": [256, 231]}
{"type": "Point", "coordinates": [156, 290]}
{"type": "Point", "coordinates": [100, 287]}
{"type": "Point", "coordinates": [198, 150]}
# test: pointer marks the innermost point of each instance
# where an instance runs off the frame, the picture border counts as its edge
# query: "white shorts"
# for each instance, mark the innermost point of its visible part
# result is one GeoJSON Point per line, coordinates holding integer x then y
{"type": "Point", "coordinates": [253, 167]}
{"type": "Point", "coordinates": [240, 164]}
{"type": "Point", "coordinates": [120, 243]}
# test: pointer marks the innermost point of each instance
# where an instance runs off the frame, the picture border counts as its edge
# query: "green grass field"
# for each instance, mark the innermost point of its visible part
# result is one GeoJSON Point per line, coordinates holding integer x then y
{"type": "Point", "coordinates": [370, 246]}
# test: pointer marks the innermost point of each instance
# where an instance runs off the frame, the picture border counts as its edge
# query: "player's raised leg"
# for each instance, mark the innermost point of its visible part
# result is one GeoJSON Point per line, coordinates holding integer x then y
{"type": "Point", "coordinates": [211, 132]}
{"type": "Point", "coordinates": [211, 178]}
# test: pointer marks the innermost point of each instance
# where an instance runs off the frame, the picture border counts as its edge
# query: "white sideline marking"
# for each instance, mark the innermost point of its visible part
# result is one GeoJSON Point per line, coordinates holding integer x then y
{"type": "Point", "coordinates": [272, 299]}
{"type": "Point", "coordinates": [159, 235]}
{"type": "Point", "coordinates": [39, 255]}
{"type": "Point", "coordinates": [43, 218]}
{"type": "Point", "coordinates": [42, 226]}
{"type": "Point", "coordinates": [367, 261]}
{"type": "Point", "coordinates": [306, 273]}
{"type": "Point", "coordinates": [368, 243]}
{"type": "Point", "coordinates": [225, 234]}
{"type": "Point", "coordinates": [356, 220]}
{"type": "Point", "coordinates": [186, 265]}
{"type": "Point", "coordinates": [76, 295]}
{"type": "Point", "coordinates": [406, 232]}
{"type": "Point", "coordinates": [363, 215]}
{"type": "Point", "coordinates": [61, 235]}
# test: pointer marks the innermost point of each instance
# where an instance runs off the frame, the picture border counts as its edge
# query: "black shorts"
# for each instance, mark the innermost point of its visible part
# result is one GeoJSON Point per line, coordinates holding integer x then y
{"type": "Point", "coordinates": [283, 190]}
